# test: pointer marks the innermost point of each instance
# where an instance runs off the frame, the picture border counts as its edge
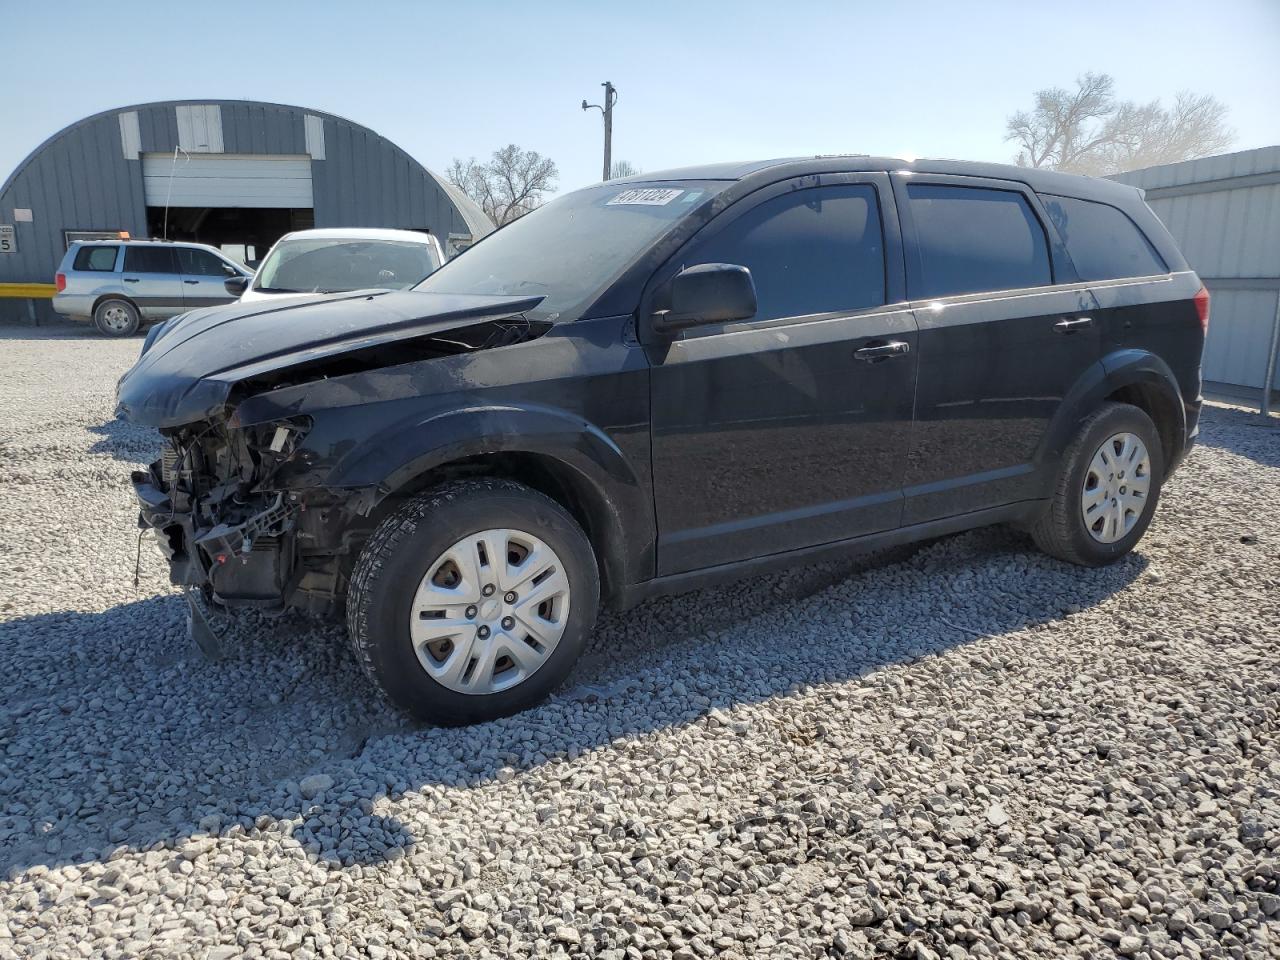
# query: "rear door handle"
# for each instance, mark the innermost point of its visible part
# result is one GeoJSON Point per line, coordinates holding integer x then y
{"type": "Point", "coordinates": [1067, 325]}
{"type": "Point", "coordinates": [192, 282]}
{"type": "Point", "coordinates": [882, 351]}
{"type": "Point", "coordinates": [130, 279]}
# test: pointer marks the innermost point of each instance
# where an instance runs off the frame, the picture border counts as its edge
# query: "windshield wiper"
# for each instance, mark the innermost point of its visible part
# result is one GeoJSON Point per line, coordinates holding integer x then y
{"type": "Point", "coordinates": [276, 290]}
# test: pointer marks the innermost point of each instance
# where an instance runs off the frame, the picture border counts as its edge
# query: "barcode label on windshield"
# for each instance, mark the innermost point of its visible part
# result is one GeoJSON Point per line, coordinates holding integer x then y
{"type": "Point", "coordinates": [648, 197]}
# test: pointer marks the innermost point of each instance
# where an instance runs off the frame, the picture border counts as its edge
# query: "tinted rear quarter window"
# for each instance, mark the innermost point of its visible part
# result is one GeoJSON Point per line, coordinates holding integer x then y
{"type": "Point", "coordinates": [974, 239]}
{"type": "Point", "coordinates": [819, 250]}
{"type": "Point", "coordinates": [149, 260]}
{"type": "Point", "coordinates": [98, 259]}
{"type": "Point", "coordinates": [1101, 240]}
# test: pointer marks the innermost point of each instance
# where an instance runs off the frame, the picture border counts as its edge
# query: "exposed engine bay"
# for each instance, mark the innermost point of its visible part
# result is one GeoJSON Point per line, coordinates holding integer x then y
{"type": "Point", "coordinates": [223, 510]}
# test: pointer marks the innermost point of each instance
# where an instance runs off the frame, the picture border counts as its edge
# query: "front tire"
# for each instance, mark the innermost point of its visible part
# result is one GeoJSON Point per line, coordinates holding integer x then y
{"type": "Point", "coordinates": [473, 601]}
{"type": "Point", "coordinates": [116, 318]}
{"type": "Point", "coordinates": [1108, 489]}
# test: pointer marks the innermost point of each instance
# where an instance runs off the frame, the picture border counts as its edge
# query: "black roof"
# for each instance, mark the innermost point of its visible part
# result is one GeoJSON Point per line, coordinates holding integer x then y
{"type": "Point", "coordinates": [764, 171]}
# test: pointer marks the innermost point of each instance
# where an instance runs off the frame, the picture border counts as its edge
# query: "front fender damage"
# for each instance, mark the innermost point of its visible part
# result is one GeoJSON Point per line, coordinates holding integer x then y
{"type": "Point", "coordinates": [237, 529]}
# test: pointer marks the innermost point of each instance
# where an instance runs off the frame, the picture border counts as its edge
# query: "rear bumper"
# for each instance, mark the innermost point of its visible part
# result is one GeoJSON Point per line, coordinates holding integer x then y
{"type": "Point", "coordinates": [1191, 434]}
{"type": "Point", "coordinates": [74, 306]}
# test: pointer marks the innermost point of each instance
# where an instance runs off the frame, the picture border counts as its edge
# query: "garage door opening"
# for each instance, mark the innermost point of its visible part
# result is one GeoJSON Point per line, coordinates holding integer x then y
{"type": "Point", "coordinates": [244, 234]}
{"type": "Point", "coordinates": [230, 201]}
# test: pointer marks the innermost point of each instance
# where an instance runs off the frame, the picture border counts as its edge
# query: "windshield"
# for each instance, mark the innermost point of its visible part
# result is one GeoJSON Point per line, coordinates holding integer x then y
{"type": "Point", "coordinates": [335, 265]}
{"type": "Point", "coordinates": [571, 249]}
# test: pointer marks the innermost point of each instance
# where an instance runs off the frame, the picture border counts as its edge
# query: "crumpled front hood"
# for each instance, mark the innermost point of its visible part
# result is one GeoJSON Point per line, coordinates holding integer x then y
{"type": "Point", "coordinates": [188, 373]}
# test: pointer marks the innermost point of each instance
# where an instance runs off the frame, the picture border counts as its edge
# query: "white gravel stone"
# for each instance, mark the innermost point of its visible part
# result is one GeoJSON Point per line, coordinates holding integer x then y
{"type": "Point", "coordinates": [915, 755]}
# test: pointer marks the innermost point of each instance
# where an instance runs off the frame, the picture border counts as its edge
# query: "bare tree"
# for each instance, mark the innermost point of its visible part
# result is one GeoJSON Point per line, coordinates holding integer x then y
{"type": "Point", "coordinates": [508, 185]}
{"type": "Point", "coordinates": [623, 168]}
{"type": "Point", "coordinates": [1087, 130]}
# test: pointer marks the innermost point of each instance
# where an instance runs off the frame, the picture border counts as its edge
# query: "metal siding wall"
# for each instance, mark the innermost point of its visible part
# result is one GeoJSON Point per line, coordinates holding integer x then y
{"type": "Point", "coordinates": [1240, 332]}
{"type": "Point", "coordinates": [81, 180]}
{"type": "Point", "coordinates": [1228, 233]}
{"type": "Point", "coordinates": [159, 128]}
{"type": "Point", "coordinates": [369, 182]}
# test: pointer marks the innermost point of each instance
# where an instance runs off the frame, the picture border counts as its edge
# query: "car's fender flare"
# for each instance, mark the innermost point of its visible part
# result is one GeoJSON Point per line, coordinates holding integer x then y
{"type": "Point", "coordinates": [619, 503]}
{"type": "Point", "coordinates": [1119, 369]}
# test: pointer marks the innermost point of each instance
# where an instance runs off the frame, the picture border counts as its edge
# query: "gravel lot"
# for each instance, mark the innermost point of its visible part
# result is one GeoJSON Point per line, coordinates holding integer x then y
{"type": "Point", "coordinates": [967, 750]}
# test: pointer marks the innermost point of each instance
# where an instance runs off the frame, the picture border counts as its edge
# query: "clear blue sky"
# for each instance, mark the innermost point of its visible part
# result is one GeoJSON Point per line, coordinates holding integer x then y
{"type": "Point", "coordinates": [698, 81]}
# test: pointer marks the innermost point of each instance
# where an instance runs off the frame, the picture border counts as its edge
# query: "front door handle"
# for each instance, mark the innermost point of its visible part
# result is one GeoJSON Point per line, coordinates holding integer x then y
{"type": "Point", "coordinates": [192, 282]}
{"type": "Point", "coordinates": [1067, 325]}
{"type": "Point", "coordinates": [882, 351]}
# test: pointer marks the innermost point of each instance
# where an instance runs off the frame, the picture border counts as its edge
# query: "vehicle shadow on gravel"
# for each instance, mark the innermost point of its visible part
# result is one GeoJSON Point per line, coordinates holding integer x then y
{"type": "Point", "coordinates": [142, 744]}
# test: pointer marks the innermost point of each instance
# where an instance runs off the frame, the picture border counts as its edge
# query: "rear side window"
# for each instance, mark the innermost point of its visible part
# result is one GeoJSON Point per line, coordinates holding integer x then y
{"type": "Point", "coordinates": [819, 250]}
{"type": "Point", "coordinates": [974, 239]}
{"type": "Point", "coordinates": [1102, 241]}
{"type": "Point", "coordinates": [149, 260]}
{"type": "Point", "coordinates": [101, 259]}
{"type": "Point", "coordinates": [202, 263]}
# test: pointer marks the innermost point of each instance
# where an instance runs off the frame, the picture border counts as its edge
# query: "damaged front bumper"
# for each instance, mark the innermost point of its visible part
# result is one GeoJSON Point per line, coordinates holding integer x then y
{"type": "Point", "coordinates": [247, 563]}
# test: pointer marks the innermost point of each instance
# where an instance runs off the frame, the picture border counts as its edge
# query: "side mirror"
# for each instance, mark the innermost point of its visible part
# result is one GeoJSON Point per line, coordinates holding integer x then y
{"type": "Point", "coordinates": [708, 293]}
{"type": "Point", "coordinates": [237, 285]}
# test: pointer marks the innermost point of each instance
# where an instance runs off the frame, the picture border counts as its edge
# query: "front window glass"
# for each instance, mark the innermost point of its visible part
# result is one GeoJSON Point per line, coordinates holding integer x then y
{"type": "Point", "coordinates": [811, 251]}
{"type": "Point", "coordinates": [335, 265]}
{"type": "Point", "coordinates": [202, 263]}
{"type": "Point", "coordinates": [570, 250]}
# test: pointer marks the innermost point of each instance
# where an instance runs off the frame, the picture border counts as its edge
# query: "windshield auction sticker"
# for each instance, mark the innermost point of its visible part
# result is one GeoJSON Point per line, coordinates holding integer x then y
{"type": "Point", "coordinates": [648, 197]}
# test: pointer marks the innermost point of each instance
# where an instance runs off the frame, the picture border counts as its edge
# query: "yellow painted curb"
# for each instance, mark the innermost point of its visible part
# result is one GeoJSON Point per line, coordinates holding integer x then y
{"type": "Point", "coordinates": [35, 290]}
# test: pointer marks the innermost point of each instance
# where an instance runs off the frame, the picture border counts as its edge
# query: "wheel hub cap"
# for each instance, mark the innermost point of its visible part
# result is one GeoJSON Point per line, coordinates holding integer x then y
{"type": "Point", "coordinates": [1116, 486]}
{"type": "Point", "coordinates": [490, 611]}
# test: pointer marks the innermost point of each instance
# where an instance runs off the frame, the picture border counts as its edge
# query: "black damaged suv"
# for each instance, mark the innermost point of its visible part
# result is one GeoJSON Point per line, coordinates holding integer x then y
{"type": "Point", "coordinates": [649, 384]}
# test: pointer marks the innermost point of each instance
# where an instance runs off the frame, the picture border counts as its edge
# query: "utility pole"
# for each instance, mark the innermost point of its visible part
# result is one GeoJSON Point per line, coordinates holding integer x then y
{"type": "Point", "coordinates": [610, 98]}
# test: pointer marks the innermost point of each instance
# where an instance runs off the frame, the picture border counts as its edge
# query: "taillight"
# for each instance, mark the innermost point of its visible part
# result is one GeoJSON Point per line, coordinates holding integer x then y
{"type": "Point", "coordinates": [61, 280]}
{"type": "Point", "coordinates": [1202, 309]}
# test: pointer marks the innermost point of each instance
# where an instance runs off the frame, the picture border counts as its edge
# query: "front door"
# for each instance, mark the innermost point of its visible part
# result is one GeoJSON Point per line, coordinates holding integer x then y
{"type": "Point", "coordinates": [152, 280]}
{"type": "Point", "coordinates": [1005, 331]}
{"type": "Point", "coordinates": [202, 278]}
{"type": "Point", "coordinates": [790, 429]}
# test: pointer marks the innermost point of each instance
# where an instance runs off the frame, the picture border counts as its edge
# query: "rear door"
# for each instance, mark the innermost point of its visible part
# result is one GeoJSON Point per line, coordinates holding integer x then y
{"type": "Point", "coordinates": [203, 274]}
{"type": "Point", "coordinates": [152, 280]}
{"type": "Point", "coordinates": [1001, 340]}
{"type": "Point", "coordinates": [787, 430]}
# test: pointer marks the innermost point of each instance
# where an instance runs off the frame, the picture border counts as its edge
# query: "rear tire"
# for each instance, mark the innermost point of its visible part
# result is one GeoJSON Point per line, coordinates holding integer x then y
{"type": "Point", "coordinates": [116, 318]}
{"type": "Point", "coordinates": [430, 610]}
{"type": "Point", "coordinates": [1107, 492]}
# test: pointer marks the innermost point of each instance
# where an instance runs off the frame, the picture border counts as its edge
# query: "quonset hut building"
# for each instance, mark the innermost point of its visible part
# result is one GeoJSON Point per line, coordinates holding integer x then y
{"type": "Point", "coordinates": [234, 174]}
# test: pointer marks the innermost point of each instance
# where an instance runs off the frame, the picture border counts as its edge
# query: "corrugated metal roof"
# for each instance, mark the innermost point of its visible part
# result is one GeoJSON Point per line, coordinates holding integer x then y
{"type": "Point", "coordinates": [1221, 167]}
